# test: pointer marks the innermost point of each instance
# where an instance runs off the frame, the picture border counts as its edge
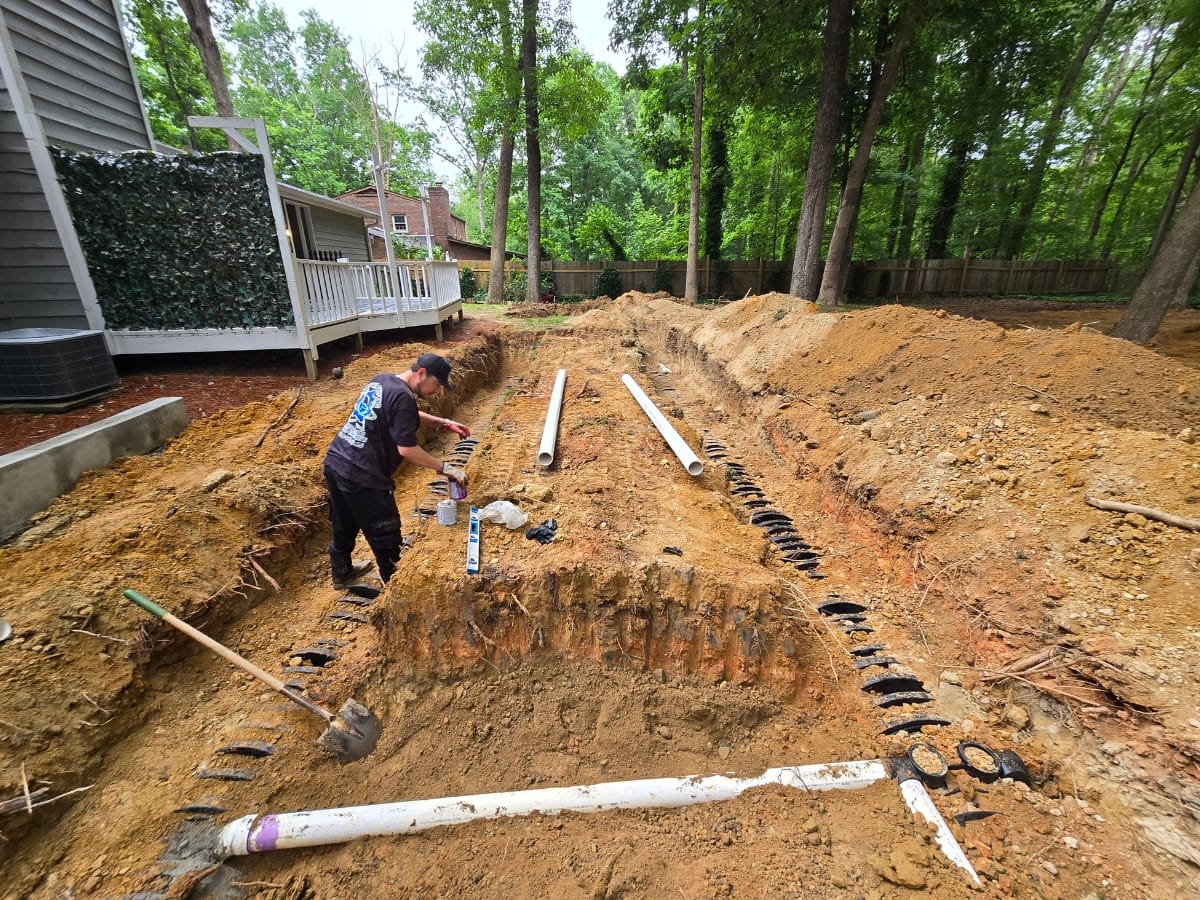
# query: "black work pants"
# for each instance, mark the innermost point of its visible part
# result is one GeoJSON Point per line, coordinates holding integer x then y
{"type": "Point", "coordinates": [373, 512]}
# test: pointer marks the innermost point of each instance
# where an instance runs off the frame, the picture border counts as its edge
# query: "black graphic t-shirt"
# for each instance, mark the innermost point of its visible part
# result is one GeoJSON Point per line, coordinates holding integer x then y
{"type": "Point", "coordinates": [364, 452]}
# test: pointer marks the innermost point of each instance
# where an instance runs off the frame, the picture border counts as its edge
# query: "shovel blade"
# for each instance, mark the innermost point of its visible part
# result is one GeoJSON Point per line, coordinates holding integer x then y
{"type": "Point", "coordinates": [352, 734]}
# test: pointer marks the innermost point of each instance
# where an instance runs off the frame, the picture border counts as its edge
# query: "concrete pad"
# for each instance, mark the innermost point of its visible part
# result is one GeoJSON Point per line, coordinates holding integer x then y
{"type": "Point", "coordinates": [32, 477]}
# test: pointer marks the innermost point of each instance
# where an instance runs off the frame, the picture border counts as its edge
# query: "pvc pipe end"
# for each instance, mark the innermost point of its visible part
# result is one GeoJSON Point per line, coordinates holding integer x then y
{"type": "Point", "coordinates": [695, 467]}
{"type": "Point", "coordinates": [544, 459]}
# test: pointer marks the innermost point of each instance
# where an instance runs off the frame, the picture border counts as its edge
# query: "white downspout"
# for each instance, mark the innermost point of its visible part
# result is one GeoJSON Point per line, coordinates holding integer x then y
{"type": "Point", "coordinates": [678, 445]}
{"type": "Point", "coordinates": [550, 432]}
{"type": "Point", "coordinates": [280, 831]}
{"type": "Point", "coordinates": [385, 222]}
{"type": "Point", "coordinates": [425, 217]}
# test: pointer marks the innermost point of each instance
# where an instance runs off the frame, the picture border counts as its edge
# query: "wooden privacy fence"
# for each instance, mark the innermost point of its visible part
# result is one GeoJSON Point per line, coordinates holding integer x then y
{"type": "Point", "coordinates": [877, 278]}
{"type": "Point", "coordinates": [925, 277]}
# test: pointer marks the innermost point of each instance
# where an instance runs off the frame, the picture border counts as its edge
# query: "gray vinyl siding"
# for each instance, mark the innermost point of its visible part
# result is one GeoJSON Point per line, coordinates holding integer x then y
{"type": "Point", "coordinates": [36, 285]}
{"type": "Point", "coordinates": [344, 234]}
{"type": "Point", "coordinates": [73, 60]}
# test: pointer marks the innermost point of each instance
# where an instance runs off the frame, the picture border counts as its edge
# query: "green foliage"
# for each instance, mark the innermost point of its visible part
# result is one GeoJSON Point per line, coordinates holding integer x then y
{"type": "Point", "coordinates": [466, 281]}
{"type": "Point", "coordinates": [178, 241]}
{"type": "Point", "coordinates": [404, 247]}
{"type": "Point", "coordinates": [663, 276]}
{"type": "Point", "coordinates": [323, 119]}
{"type": "Point", "coordinates": [608, 283]}
{"type": "Point", "coordinates": [170, 74]}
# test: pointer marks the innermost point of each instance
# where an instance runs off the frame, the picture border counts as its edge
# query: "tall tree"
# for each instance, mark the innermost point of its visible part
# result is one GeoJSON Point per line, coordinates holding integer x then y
{"type": "Point", "coordinates": [1172, 271]}
{"type": "Point", "coordinates": [691, 278]}
{"type": "Point", "coordinates": [810, 233]}
{"type": "Point", "coordinates": [841, 242]}
{"type": "Point", "coordinates": [171, 74]}
{"type": "Point", "coordinates": [200, 24]}
{"type": "Point", "coordinates": [533, 150]}
{"type": "Point", "coordinates": [1051, 129]}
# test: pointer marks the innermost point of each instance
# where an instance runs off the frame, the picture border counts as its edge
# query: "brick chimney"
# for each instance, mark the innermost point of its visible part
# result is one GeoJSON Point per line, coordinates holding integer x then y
{"type": "Point", "coordinates": [439, 214]}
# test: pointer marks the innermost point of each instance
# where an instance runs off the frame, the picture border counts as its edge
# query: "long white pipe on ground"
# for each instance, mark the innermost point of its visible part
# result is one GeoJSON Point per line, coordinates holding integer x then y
{"type": "Point", "coordinates": [278, 831]}
{"type": "Point", "coordinates": [678, 445]}
{"type": "Point", "coordinates": [550, 432]}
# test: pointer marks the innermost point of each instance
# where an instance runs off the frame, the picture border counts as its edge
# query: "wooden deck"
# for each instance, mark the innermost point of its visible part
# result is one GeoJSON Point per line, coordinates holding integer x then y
{"type": "Point", "coordinates": [334, 300]}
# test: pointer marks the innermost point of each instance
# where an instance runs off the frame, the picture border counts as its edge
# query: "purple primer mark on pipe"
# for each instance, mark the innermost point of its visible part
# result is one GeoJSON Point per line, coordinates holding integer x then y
{"type": "Point", "coordinates": [264, 834]}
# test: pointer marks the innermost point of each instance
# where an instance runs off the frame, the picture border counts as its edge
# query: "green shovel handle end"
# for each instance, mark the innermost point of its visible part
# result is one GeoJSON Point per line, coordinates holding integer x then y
{"type": "Point", "coordinates": [146, 603]}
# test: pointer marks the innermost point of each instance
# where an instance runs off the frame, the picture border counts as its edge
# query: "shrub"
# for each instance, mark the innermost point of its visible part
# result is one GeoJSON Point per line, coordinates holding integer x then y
{"type": "Point", "coordinates": [608, 283]}
{"type": "Point", "coordinates": [662, 276]}
{"type": "Point", "coordinates": [466, 282]}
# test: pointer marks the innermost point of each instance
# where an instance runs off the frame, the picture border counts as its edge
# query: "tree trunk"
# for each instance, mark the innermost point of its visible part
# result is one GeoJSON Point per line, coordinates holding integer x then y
{"type": "Point", "coordinates": [1135, 170]}
{"type": "Point", "coordinates": [691, 290]}
{"type": "Point", "coordinates": [1167, 275]}
{"type": "Point", "coordinates": [200, 27]}
{"type": "Point", "coordinates": [806, 265]}
{"type": "Point", "coordinates": [533, 152]}
{"type": "Point", "coordinates": [912, 196]}
{"type": "Point", "coordinates": [479, 172]}
{"type": "Point", "coordinates": [1106, 194]}
{"type": "Point", "coordinates": [509, 64]}
{"type": "Point", "coordinates": [841, 243]}
{"type": "Point", "coordinates": [1185, 166]}
{"type": "Point", "coordinates": [947, 202]}
{"type": "Point", "coordinates": [500, 217]}
{"type": "Point", "coordinates": [1050, 132]}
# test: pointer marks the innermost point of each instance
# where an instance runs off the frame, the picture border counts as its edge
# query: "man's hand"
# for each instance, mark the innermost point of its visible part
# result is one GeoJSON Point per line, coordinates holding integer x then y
{"type": "Point", "coordinates": [457, 427]}
{"type": "Point", "coordinates": [454, 473]}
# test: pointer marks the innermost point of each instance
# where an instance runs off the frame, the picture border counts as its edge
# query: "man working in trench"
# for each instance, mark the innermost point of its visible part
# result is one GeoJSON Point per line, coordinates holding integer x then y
{"type": "Point", "coordinates": [363, 456]}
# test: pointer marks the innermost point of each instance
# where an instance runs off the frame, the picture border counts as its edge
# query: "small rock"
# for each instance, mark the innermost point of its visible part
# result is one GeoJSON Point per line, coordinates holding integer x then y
{"type": "Point", "coordinates": [1187, 435]}
{"type": "Point", "coordinates": [1050, 867]}
{"type": "Point", "coordinates": [946, 458]}
{"type": "Point", "coordinates": [881, 431]}
{"type": "Point", "coordinates": [663, 732]}
{"type": "Point", "coordinates": [1017, 717]}
{"type": "Point", "coordinates": [724, 751]}
{"type": "Point", "coordinates": [1038, 409]}
{"type": "Point", "coordinates": [215, 479]}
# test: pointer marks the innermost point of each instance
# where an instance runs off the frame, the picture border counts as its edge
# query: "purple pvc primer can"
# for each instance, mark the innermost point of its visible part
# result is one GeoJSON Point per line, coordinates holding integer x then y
{"type": "Point", "coordinates": [457, 491]}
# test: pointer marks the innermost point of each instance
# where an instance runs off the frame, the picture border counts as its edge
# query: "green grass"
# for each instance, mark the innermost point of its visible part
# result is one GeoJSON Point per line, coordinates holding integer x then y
{"type": "Point", "coordinates": [497, 312]}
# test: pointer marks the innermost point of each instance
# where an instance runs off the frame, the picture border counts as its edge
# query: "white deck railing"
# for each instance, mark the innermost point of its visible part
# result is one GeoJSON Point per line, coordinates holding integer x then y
{"type": "Point", "coordinates": [339, 291]}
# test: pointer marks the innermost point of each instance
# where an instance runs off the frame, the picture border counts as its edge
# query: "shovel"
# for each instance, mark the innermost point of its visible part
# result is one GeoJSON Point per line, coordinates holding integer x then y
{"type": "Point", "coordinates": [351, 735]}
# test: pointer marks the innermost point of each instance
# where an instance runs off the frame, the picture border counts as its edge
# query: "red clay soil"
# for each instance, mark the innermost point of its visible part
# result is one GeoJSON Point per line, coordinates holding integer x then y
{"type": "Point", "coordinates": [936, 466]}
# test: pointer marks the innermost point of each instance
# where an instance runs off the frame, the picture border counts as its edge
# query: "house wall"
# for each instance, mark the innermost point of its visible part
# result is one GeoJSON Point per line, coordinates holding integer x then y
{"type": "Point", "coordinates": [73, 69]}
{"type": "Point", "coordinates": [76, 69]}
{"type": "Point", "coordinates": [442, 224]}
{"type": "Point", "coordinates": [342, 234]}
{"type": "Point", "coordinates": [36, 286]}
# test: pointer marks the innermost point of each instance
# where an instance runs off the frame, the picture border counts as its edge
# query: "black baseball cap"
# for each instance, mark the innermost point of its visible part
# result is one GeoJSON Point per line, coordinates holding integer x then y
{"type": "Point", "coordinates": [437, 367]}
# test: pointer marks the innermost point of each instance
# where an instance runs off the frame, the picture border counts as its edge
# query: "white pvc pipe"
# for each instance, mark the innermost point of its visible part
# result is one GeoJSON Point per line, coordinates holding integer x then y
{"type": "Point", "coordinates": [678, 445]}
{"type": "Point", "coordinates": [920, 802]}
{"type": "Point", "coordinates": [550, 432]}
{"type": "Point", "coordinates": [278, 831]}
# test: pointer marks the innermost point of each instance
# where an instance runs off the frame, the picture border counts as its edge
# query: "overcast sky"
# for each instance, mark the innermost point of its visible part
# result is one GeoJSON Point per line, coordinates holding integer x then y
{"type": "Point", "coordinates": [380, 25]}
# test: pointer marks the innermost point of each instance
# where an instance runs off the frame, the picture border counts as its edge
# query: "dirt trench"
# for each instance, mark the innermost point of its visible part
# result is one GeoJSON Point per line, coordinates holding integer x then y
{"type": "Point", "coordinates": [665, 631]}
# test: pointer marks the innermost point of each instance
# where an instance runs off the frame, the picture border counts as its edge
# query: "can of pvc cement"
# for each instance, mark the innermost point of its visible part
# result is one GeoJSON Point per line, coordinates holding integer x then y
{"type": "Point", "coordinates": [447, 512]}
{"type": "Point", "coordinates": [457, 491]}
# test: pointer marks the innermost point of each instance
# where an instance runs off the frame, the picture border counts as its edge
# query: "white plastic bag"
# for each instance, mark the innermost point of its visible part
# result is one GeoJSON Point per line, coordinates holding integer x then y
{"type": "Point", "coordinates": [501, 511]}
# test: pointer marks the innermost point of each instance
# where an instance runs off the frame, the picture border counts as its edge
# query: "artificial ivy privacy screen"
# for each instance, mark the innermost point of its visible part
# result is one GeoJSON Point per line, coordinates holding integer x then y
{"type": "Point", "coordinates": [178, 241]}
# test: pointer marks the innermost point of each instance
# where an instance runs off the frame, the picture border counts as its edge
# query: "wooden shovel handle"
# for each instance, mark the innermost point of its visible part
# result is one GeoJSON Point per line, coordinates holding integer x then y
{"type": "Point", "coordinates": [225, 653]}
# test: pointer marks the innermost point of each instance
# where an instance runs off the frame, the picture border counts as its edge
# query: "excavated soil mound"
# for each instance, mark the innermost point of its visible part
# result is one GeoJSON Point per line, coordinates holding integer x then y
{"type": "Point", "coordinates": [889, 545]}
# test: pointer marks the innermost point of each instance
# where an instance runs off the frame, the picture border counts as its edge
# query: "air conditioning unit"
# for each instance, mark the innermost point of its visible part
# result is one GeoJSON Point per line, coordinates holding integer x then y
{"type": "Point", "coordinates": [54, 366]}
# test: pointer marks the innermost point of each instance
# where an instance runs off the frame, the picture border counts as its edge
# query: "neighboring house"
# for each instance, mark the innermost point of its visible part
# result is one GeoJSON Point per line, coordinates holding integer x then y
{"type": "Point", "coordinates": [67, 82]}
{"type": "Point", "coordinates": [407, 217]}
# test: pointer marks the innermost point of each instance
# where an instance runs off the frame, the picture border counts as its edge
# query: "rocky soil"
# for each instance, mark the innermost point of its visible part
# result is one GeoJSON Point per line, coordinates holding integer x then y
{"type": "Point", "coordinates": [934, 472]}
